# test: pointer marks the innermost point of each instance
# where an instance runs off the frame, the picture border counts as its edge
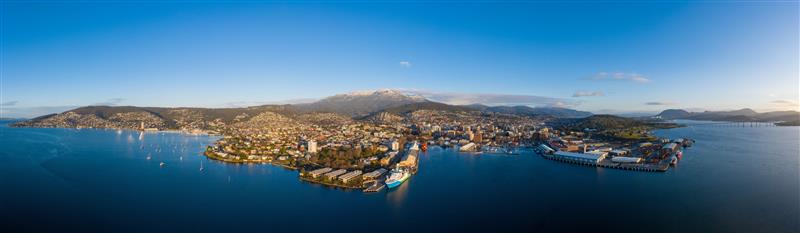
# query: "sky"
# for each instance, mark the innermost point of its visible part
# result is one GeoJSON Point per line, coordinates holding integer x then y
{"type": "Point", "coordinates": [608, 57]}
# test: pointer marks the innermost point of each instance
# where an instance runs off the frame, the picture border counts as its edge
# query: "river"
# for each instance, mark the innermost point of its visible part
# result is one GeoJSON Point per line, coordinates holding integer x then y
{"type": "Point", "coordinates": [735, 179]}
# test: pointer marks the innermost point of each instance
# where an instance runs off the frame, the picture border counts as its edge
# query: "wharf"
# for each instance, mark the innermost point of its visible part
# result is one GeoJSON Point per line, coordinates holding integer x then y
{"type": "Point", "coordinates": [374, 188]}
{"type": "Point", "coordinates": [663, 166]}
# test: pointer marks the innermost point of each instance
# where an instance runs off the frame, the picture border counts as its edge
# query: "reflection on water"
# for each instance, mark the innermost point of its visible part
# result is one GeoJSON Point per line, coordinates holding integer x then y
{"type": "Point", "coordinates": [397, 196]}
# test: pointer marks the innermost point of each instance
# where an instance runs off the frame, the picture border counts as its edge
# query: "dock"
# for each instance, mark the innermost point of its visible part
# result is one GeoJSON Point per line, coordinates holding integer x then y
{"type": "Point", "coordinates": [376, 187]}
{"type": "Point", "coordinates": [373, 186]}
{"type": "Point", "coordinates": [663, 166]}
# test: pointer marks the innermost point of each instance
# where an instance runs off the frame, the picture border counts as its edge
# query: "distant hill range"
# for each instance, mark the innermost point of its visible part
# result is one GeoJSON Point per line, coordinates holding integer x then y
{"type": "Point", "coordinates": [380, 105]}
{"type": "Point", "coordinates": [741, 115]}
{"type": "Point", "coordinates": [525, 110]}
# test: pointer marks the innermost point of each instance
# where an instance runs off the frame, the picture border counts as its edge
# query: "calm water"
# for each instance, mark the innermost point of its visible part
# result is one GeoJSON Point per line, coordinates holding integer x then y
{"type": "Point", "coordinates": [65, 180]}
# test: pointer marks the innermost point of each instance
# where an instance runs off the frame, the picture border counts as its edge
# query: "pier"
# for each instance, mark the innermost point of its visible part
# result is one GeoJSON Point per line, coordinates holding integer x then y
{"type": "Point", "coordinates": [662, 166]}
{"type": "Point", "coordinates": [372, 186]}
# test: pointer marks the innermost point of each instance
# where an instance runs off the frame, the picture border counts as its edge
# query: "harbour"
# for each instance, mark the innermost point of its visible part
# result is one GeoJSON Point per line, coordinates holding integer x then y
{"type": "Point", "coordinates": [525, 190]}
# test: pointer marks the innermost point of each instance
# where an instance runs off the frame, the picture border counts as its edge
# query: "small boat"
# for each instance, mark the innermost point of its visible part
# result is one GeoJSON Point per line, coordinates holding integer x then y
{"type": "Point", "coordinates": [674, 161]}
{"type": "Point", "coordinates": [148, 156]}
{"type": "Point", "coordinates": [201, 165]}
{"type": "Point", "coordinates": [162, 164]}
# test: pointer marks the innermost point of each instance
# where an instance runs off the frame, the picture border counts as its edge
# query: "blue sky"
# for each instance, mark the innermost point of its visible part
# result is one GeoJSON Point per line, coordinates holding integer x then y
{"type": "Point", "coordinates": [600, 57]}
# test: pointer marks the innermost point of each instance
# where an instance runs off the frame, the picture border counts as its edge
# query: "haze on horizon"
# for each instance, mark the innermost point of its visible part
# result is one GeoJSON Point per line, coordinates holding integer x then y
{"type": "Point", "coordinates": [598, 57]}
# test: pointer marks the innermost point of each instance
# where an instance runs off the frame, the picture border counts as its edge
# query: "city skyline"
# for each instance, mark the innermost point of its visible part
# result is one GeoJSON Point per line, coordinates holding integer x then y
{"type": "Point", "coordinates": [603, 58]}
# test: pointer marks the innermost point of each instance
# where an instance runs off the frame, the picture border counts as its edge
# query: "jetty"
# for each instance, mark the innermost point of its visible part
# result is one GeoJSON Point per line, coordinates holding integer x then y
{"type": "Point", "coordinates": [662, 166]}
{"type": "Point", "coordinates": [375, 187]}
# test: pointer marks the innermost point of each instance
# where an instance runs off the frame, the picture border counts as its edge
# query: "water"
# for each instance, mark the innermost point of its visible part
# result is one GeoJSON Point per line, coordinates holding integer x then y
{"type": "Point", "coordinates": [90, 180]}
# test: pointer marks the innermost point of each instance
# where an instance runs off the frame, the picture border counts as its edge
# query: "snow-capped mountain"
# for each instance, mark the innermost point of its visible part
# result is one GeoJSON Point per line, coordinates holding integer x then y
{"type": "Point", "coordinates": [361, 103]}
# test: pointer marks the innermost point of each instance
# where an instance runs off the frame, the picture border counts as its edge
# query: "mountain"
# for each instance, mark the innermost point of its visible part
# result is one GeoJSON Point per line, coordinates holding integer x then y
{"type": "Point", "coordinates": [403, 109]}
{"type": "Point", "coordinates": [741, 115]}
{"type": "Point", "coordinates": [671, 114]}
{"type": "Point", "coordinates": [132, 117]}
{"type": "Point", "coordinates": [363, 103]}
{"type": "Point", "coordinates": [529, 111]}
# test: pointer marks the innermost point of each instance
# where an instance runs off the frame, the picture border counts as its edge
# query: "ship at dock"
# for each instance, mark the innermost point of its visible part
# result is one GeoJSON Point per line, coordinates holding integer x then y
{"type": "Point", "coordinates": [397, 177]}
{"type": "Point", "coordinates": [405, 168]}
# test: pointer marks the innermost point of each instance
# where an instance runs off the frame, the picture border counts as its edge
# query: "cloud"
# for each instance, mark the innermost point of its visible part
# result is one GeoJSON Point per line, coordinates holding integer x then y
{"type": "Point", "coordinates": [659, 103]}
{"type": "Point", "coordinates": [9, 103]}
{"type": "Point", "coordinates": [240, 104]}
{"type": "Point", "coordinates": [405, 63]}
{"type": "Point", "coordinates": [782, 102]}
{"type": "Point", "coordinates": [29, 112]}
{"type": "Point", "coordinates": [588, 93]}
{"type": "Point", "coordinates": [110, 102]}
{"type": "Point", "coordinates": [785, 104]}
{"type": "Point", "coordinates": [621, 76]}
{"type": "Point", "coordinates": [456, 98]}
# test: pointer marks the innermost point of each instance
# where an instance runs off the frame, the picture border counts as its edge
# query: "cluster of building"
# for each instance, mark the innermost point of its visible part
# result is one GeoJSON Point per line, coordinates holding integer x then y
{"type": "Point", "coordinates": [574, 147]}
{"type": "Point", "coordinates": [273, 138]}
{"type": "Point", "coordinates": [342, 177]}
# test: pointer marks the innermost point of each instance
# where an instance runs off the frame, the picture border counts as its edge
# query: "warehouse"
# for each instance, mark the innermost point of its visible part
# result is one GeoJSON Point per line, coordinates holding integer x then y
{"type": "Point", "coordinates": [349, 176]}
{"type": "Point", "coordinates": [587, 158]}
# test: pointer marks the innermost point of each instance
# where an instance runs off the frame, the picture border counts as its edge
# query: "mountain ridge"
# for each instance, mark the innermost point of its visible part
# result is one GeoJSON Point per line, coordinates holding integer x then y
{"type": "Point", "coordinates": [383, 105]}
{"type": "Point", "coordinates": [740, 115]}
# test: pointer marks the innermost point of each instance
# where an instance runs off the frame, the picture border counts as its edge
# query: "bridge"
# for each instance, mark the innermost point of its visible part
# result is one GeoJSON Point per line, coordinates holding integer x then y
{"type": "Point", "coordinates": [735, 124]}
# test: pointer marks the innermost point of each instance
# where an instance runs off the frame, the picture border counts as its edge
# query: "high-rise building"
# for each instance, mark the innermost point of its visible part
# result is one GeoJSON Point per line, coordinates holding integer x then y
{"type": "Point", "coordinates": [312, 146]}
{"type": "Point", "coordinates": [395, 145]}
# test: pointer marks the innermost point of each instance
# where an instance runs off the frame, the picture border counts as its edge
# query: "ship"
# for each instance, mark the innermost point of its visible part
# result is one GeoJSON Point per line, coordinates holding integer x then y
{"type": "Point", "coordinates": [397, 177]}
{"type": "Point", "coordinates": [407, 166]}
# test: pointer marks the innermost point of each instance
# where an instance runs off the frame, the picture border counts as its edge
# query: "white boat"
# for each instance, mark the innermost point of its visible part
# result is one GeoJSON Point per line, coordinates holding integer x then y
{"type": "Point", "coordinates": [162, 164]}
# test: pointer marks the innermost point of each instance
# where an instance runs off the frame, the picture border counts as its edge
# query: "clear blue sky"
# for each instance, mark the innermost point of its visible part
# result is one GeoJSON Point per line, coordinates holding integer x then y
{"type": "Point", "coordinates": [603, 57]}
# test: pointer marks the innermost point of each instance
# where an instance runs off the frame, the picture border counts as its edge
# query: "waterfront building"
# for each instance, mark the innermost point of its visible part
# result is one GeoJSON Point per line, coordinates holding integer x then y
{"type": "Point", "coordinates": [622, 159]}
{"type": "Point", "coordinates": [349, 176]}
{"type": "Point", "coordinates": [468, 147]}
{"type": "Point", "coordinates": [410, 158]}
{"type": "Point", "coordinates": [318, 172]}
{"type": "Point", "coordinates": [332, 175]}
{"type": "Point", "coordinates": [588, 158]}
{"type": "Point", "coordinates": [374, 174]}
